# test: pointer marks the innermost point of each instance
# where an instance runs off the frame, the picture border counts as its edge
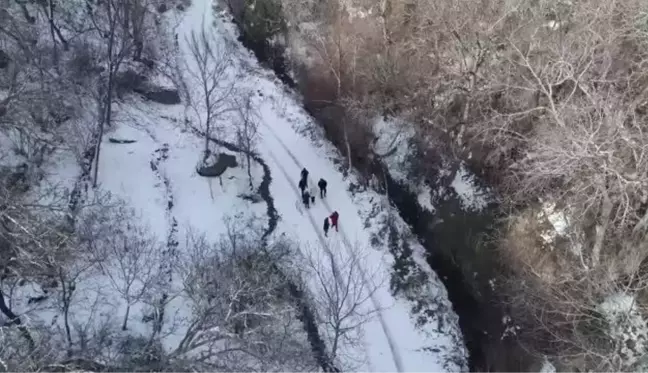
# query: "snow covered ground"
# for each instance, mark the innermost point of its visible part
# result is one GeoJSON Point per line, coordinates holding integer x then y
{"type": "Point", "coordinates": [156, 176]}
{"type": "Point", "coordinates": [394, 139]}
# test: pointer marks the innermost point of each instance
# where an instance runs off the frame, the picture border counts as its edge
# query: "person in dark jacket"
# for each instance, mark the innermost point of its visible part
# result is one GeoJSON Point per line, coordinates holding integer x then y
{"type": "Point", "coordinates": [302, 185]}
{"type": "Point", "coordinates": [304, 174]}
{"type": "Point", "coordinates": [334, 220]}
{"type": "Point", "coordinates": [326, 226]}
{"type": "Point", "coordinates": [306, 198]}
{"type": "Point", "coordinates": [322, 187]}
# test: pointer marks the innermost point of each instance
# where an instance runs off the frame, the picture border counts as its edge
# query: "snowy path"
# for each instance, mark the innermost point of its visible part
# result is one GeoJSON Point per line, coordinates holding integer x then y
{"type": "Point", "coordinates": [347, 245]}
{"type": "Point", "coordinates": [392, 341]}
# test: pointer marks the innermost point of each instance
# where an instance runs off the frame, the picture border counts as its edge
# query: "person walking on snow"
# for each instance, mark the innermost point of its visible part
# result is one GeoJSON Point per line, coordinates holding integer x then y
{"type": "Point", "coordinates": [302, 185]}
{"type": "Point", "coordinates": [322, 187]}
{"type": "Point", "coordinates": [334, 220]}
{"type": "Point", "coordinates": [326, 226]}
{"type": "Point", "coordinates": [306, 198]}
{"type": "Point", "coordinates": [304, 174]}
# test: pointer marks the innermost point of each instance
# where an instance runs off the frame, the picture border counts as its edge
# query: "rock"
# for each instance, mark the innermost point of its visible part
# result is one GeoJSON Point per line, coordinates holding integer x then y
{"type": "Point", "coordinates": [128, 81]}
{"type": "Point", "coordinates": [163, 96]}
{"type": "Point", "coordinates": [4, 59]}
{"type": "Point", "coordinates": [254, 198]}
{"type": "Point", "coordinates": [37, 299]}
{"type": "Point", "coordinates": [149, 63]}
{"type": "Point", "coordinates": [118, 141]}
{"type": "Point", "coordinates": [223, 162]}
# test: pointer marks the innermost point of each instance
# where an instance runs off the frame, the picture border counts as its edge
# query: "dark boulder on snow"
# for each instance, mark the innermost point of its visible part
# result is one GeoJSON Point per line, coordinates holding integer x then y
{"type": "Point", "coordinates": [163, 96]}
{"type": "Point", "coordinates": [149, 63]}
{"type": "Point", "coordinates": [128, 81]}
{"type": "Point", "coordinates": [4, 59]}
{"type": "Point", "coordinates": [38, 299]}
{"type": "Point", "coordinates": [219, 167]}
{"type": "Point", "coordinates": [120, 141]}
{"type": "Point", "coordinates": [252, 197]}
{"type": "Point", "coordinates": [133, 81]}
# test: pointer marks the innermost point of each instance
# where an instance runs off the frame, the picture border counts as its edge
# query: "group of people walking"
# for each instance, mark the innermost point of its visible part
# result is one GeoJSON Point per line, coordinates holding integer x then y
{"type": "Point", "coordinates": [308, 193]}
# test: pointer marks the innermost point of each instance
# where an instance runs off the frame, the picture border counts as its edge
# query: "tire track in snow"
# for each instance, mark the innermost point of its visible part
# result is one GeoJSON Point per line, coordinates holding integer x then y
{"type": "Point", "coordinates": [398, 361]}
{"type": "Point", "coordinates": [336, 270]}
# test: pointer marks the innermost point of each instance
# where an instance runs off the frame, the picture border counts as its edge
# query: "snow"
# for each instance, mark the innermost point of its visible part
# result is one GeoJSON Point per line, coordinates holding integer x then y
{"type": "Point", "coordinates": [547, 367]}
{"type": "Point", "coordinates": [626, 326]}
{"type": "Point", "coordinates": [393, 142]}
{"type": "Point", "coordinates": [558, 226]}
{"type": "Point", "coordinates": [394, 139]}
{"type": "Point", "coordinates": [471, 197]}
{"type": "Point", "coordinates": [156, 177]}
{"type": "Point", "coordinates": [558, 219]}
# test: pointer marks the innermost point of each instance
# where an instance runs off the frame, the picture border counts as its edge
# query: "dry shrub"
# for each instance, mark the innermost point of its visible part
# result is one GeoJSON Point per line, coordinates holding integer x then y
{"type": "Point", "coordinates": [330, 85]}
{"type": "Point", "coordinates": [555, 301]}
{"type": "Point", "coordinates": [84, 62]}
{"type": "Point", "coordinates": [319, 94]}
{"type": "Point", "coordinates": [525, 253]}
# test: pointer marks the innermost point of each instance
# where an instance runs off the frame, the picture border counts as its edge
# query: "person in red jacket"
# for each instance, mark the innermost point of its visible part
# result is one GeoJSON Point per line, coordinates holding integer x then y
{"type": "Point", "coordinates": [334, 220]}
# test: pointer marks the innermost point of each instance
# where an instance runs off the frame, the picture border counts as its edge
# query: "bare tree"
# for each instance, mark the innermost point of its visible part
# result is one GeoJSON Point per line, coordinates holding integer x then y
{"type": "Point", "coordinates": [128, 255]}
{"type": "Point", "coordinates": [341, 297]}
{"type": "Point", "coordinates": [69, 277]}
{"type": "Point", "coordinates": [33, 242]}
{"type": "Point", "coordinates": [210, 67]}
{"type": "Point", "coordinates": [335, 51]}
{"type": "Point", "coordinates": [241, 315]}
{"type": "Point", "coordinates": [247, 128]}
{"type": "Point", "coordinates": [49, 9]}
{"type": "Point", "coordinates": [112, 23]}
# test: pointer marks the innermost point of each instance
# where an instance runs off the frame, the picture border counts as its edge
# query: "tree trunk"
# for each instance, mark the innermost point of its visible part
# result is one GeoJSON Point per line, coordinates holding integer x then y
{"type": "Point", "coordinates": [159, 315]}
{"type": "Point", "coordinates": [95, 166]}
{"type": "Point", "coordinates": [28, 17]}
{"type": "Point", "coordinates": [336, 341]}
{"type": "Point", "coordinates": [124, 324]}
{"type": "Point", "coordinates": [60, 36]}
{"type": "Point", "coordinates": [66, 294]}
{"type": "Point", "coordinates": [137, 22]}
{"type": "Point", "coordinates": [207, 130]}
{"type": "Point", "coordinates": [249, 171]}
{"type": "Point", "coordinates": [106, 116]}
{"type": "Point", "coordinates": [15, 320]}
{"type": "Point", "coordinates": [50, 15]}
{"type": "Point", "coordinates": [348, 145]}
{"type": "Point", "coordinates": [606, 210]}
